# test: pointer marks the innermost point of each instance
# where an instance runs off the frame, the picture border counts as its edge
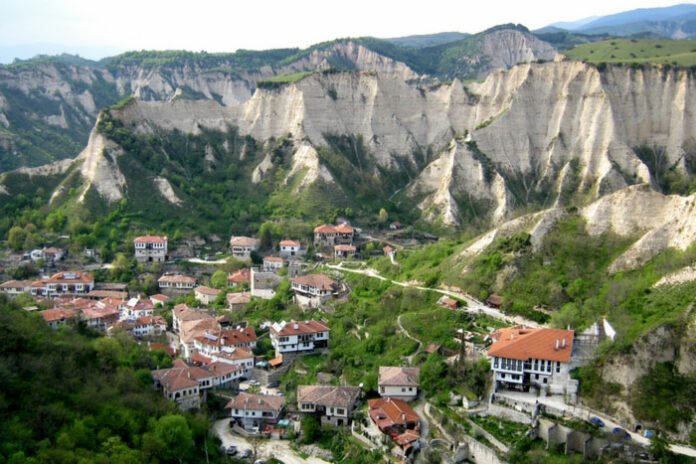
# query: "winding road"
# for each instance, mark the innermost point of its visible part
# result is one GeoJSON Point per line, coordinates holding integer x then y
{"type": "Point", "coordinates": [473, 306]}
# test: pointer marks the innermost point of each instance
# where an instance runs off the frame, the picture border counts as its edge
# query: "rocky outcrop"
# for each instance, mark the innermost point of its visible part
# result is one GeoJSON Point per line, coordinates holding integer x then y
{"type": "Point", "coordinates": [99, 169]}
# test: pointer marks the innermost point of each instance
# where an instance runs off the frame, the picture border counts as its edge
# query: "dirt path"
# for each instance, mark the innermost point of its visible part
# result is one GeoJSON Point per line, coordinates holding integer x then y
{"type": "Point", "coordinates": [410, 357]}
{"type": "Point", "coordinates": [473, 306]}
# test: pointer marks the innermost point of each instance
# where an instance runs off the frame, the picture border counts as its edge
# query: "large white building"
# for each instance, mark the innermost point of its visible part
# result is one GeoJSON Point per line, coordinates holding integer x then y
{"type": "Point", "coordinates": [313, 289]}
{"type": "Point", "coordinates": [150, 248]}
{"type": "Point", "coordinates": [522, 358]}
{"type": "Point", "coordinates": [63, 283]}
{"type": "Point", "coordinates": [398, 382]}
{"type": "Point", "coordinates": [302, 337]}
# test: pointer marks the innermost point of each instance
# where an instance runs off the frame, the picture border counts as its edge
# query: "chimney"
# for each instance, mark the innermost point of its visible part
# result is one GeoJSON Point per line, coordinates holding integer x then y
{"type": "Point", "coordinates": [563, 343]}
{"type": "Point", "coordinates": [557, 343]}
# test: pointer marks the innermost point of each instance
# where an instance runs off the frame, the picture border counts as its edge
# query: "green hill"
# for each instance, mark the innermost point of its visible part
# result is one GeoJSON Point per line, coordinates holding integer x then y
{"type": "Point", "coordinates": [662, 51]}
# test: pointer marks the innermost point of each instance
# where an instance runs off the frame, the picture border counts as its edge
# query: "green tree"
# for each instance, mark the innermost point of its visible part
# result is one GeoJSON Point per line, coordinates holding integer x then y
{"type": "Point", "coordinates": [219, 279]}
{"type": "Point", "coordinates": [311, 428]}
{"type": "Point", "coordinates": [16, 238]}
{"type": "Point", "coordinates": [266, 236]}
{"type": "Point", "coordinates": [171, 439]}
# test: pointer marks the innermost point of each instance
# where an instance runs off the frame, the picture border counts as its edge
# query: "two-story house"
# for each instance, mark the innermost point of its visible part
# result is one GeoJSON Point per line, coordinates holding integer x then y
{"type": "Point", "coordinates": [398, 382]}
{"type": "Point", "coordinates": [206, 295]}
{"type": "Point", "coordinates": [242, 247]}
{"type": "Point", "coordinates": [344, 251]}
{"type": "Point", "coordinates": [332, 403]}
{"type": "Point", "coordinates": [150, 248]}
{"type": "Point", "coordinates": [290, 249]}
{"type": "Point", "coordinates": [137, 307]}
{"type": "Point", "coordinates": [216, 341]}
{"type": "Point", "coordinates": [273, 263]}
{"type": "Point", "coordinates": [264, 283]}
{"type": "Point", "coordinates": [254, 412]}
{"type": "Point", "coordinates": [63, 283]}
{"type": "Point", "coordinates": [14, 288]}
{"type": "Point", "coordinates": [298, 338]}
{"type": "Point", "coordinates": [327, 235]}
{"type": "Point", "coordinates": [58, 317]}
{"type": "Point", "coordinates": [176, 283]}
{"type": "Point", "coordinates": [523, 357]}
{"type": "Point", "coordinates": [312, 290]}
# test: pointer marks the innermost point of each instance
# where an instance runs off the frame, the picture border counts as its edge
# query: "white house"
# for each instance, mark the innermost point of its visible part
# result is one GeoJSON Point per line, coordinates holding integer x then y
{"type": "Point", "coordinates": [63, 283]}
{"type": "Point", "coordinates": [328, 235]}
{"type": "Point", "coordinates": [176, 283]}
{"type": "Point", "coordinates": [150, 248]}
{"type": "Point", "coordinates": [58, 317]}
{"type": "Point", "coordinates": [147, 326]}
{"type": "Point", "coordinates": [243, 246]}
{"type": "Point", "coordinates": [206, 295]}
{"type": "Point", "coordinates": [522, 358]}
{"type": "Point", "coordinates": [313, 289]}
{"type": "Point", "coordinates": [302, 337]}
{"type": "Point", "coordinates": [273, 263]}
{"type": "Point", "coordinates": [333, 404]}
{"type": "Point", "coordinates": [253, 412]}
{"type": "Point", "coordinates": [178, 385]}
{"type": "Point", "coordinates": [398, 382]}
{"type": "Point", "coordinates": [290, 248]}
{"type": "Point", "coordinates": [137, 307]}
{"type": "Point", "coordinates": [240, 357]}
{"type": "Point", "coordinates": [344, 251]}
{"type": "Point", "coordinates": [216, 341]}
{"type": "Point", "coordinates": [16, 287]}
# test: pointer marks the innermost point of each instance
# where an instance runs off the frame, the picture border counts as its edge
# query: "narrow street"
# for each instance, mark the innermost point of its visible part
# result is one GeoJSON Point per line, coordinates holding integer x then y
{"type": "Point", "coordinates": [410, 357]}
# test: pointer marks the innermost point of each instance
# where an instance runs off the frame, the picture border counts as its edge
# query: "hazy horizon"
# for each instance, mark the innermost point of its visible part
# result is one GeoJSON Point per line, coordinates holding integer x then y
{"type": "Point", "coordinates": [31, 27]}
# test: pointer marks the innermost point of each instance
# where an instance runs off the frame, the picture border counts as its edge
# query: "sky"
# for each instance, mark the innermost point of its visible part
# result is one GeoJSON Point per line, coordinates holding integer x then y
{"type": "Point", "coordinates": [95, 28]}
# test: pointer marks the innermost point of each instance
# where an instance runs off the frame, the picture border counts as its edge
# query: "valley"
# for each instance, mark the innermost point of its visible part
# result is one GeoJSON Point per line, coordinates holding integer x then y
{"type": "Point", "coordinates": [443, 247]}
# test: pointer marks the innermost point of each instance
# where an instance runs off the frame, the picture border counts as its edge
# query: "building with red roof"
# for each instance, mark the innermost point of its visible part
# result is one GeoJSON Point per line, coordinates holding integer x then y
{"type": "Point", "coordinates": [150, 248]}
{"type": "Point", "coordinates": [58, 317]}
{"type": "Point", "coordinates": [63, 283]}
{"type": "Point", "coordinates": [312, 290]}
{"type": "Point", "coordinates": [523, 357]}
{"type": "Point", "coordinates": [327, 235]}
{"type": "Point", "coordinates": [397, 419]}
{"type": "Point", "coordinates": [242, 276]}
{"type": "Point", "coordinates": [290, 248]}
{"type": "Point", "coordinates": [301, 337]}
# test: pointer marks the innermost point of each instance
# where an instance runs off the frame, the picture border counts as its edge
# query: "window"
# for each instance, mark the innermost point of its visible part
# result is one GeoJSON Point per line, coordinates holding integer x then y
{"type": "Point", "coordinates": [548, 366]}
{"type": "Point", "coordinates": [546, 380]}
{"type": "Point", "coordinates": [340, 411]}
{"type": "Point", "coordinates": [403, 390]}
{"type": "Point", "coordinates": [558, 367]}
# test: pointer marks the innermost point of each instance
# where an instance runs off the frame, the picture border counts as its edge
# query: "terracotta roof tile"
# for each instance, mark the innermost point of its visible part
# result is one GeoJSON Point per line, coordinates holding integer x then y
{"type": "Point", "coordinates": [315, 280]}
{"type": "Point", "coordinates": [399, 376]}
{"type": "Point", "coordinates": [299, 328]}
{"type": "Point", "coordinates": [150, 239]}
{"type": "Point", "coordinates": [523, 344]}
{"type": "Point", "coordinates": [328, 395]}
{"type": "Point", "coordinates": [256, 402]}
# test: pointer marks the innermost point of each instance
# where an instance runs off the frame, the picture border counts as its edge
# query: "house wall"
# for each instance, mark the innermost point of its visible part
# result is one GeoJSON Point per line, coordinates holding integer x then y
{"type": "Point", "coordinates": [402, 393]}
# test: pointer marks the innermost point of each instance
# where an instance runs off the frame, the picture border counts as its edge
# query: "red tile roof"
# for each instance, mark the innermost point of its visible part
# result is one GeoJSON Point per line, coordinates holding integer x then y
{"type": "Point", "coordinates": [349, 248]}
{"type": "Point", "coordinates": [290, 243]}
{"type": "Point", "coordinates": [238, 298]}
{"type": "Point", "coordinates": [16, 284]}
{"type": "Point", "coordinates": [177, 278]}
{"type": "Point", "coordinates": [159, 298]}
{"type": "Point", "coordinates": [319, 281]}
{"type": "Point", "coordinates": [244, 241]}
{"type": "Point", "coordinates": [67, 277]}
{"type": "Point", "coordinates": [300, 327]}
{"type": "Point", "coordinates": [240, 277]}
{"type": "Point", "coordinates": [228, 337]}
{"type": "Point", "coordinates": [274, 259]}
{"type": "Point", "coordinates": [150, 239]}
{"type": "Point", "coordinates": [207, 290]}
{"type": "Point", "coordinates": [325, 229]}
{"type": "Point", "coordinates": [57, 314]}
{"type": "Point", "coordinates": [344, 229]}
{"type": "Point", "coordinates": [387, 412]}
{"type": "Point", "coordinates": [523, 344]}
{"type": "Point", "coordinates": [256, 402]}
{"type": "Point", "coordinates": [99, 294]}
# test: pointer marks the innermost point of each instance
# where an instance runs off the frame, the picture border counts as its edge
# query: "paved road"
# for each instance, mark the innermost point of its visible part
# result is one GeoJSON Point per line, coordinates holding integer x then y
{"type": "Point", "coordinates": [584, 414]}
{"type": "Point", "coordinates": [473, 306]}
{"type": "Point", "coordinates": [279, 449]}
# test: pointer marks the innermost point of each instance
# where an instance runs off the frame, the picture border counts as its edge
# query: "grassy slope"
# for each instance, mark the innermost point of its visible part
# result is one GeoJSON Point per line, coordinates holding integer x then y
{"type": "Point", "coordinates": [662, 51]}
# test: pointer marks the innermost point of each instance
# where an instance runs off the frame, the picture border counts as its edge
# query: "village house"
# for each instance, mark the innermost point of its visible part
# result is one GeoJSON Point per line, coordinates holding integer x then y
{"type": "Point", "coordinates": [344, 251]}
{"type": "Point", "coordinates": [399, 382]}
{"type": "Point", "coordinates": [243, 358]}
{"type": "Point", "coordinates": [212, 342]}
{"type": "Point", "coordinates": [397, 419]}
{"type": "Point", "coordinates": [206, 295]}
{"type": "Point", "coordinates": [290, 248]}
{"type": "Point", "coordinates": [159, 299]}
{"type": "Point", "coordinates": [299, 338]}
{"type": "Point", "coordinates": [313, 289]}
{"type": "Point", "coordinates": [243, 246]}
{"type": "Point", "coordinates": [13, 288]}
{"type": "Point", "coordinates": [183, 313]}
{"type": "Point", "coordinates": [137, 307]}
{"type": "Point", "coordinates": [449, 303]}
{"type": "Point", "coordinates": [238, 301]}
{"type": "Point", "coordinates": [522, 358]}
{"type": "Point", "coordinates": [63, 283]}
{"type": "Point", "coordinates": [150, 248]}
{"type": "Point", "coordinates": [254, 412]}
{"type": "Point", "coordinates": [264, 283]}
{"type": "Point", "coordinates": [58, 317]}
{"type": "Point", "coordinates": [101, 315]}
{"type": "Point", "coordinates": [49, 255]}
{"type": "Point", "coordinates": [327, 235]}
{"type": "Point", "coordinates": [333, 404]}
{"type": "Point", "coordinates": [142, 327]}
{"type": "Point", "coordinates": [494, 301]}
{"type": "Point", "coordinates": [176, 283]}
{"type": "Point", "coordinates": [389, 251]}
{"type": "Point", "coordinates": [273, 263]}
{"type": "Point", "coordinates": [187, 384]}
{"type": "Point", "coordinates": [242, 276]}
